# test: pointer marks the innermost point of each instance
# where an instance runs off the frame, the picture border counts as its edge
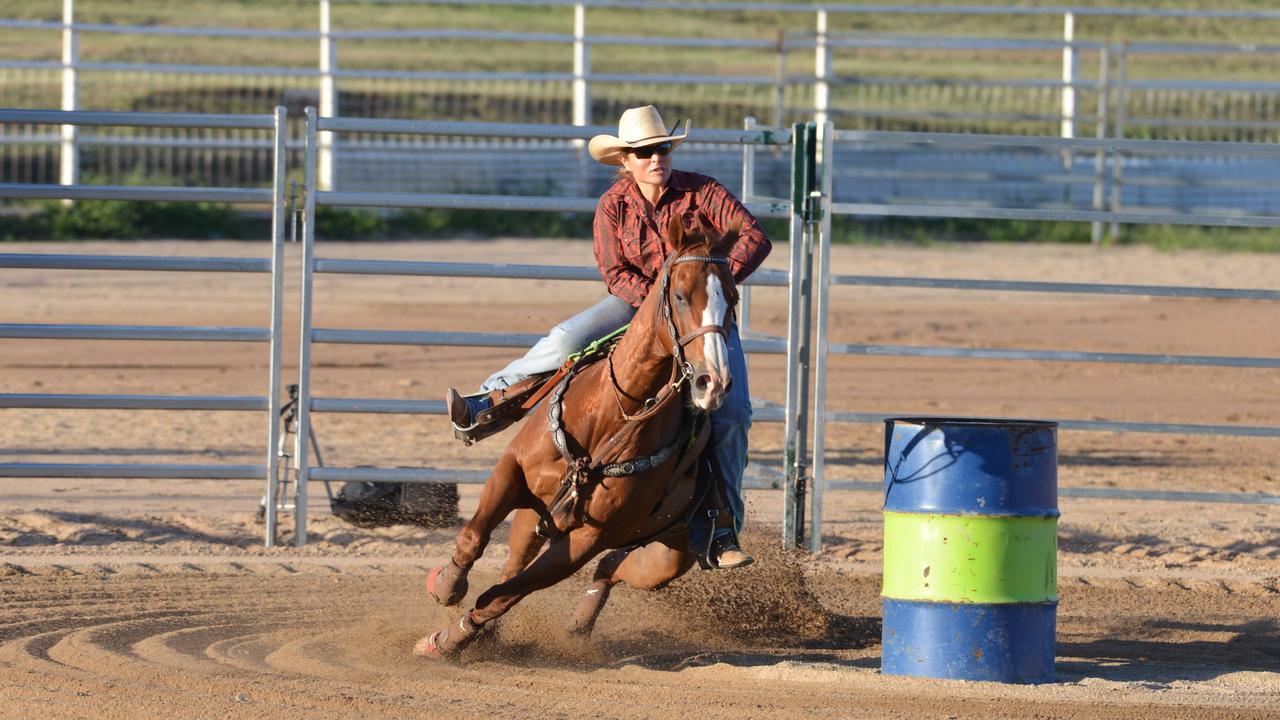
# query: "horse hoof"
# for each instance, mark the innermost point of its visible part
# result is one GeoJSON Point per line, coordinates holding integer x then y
{"type": "Point", "coordinates": [446, 585]}
{"type": "Point", "coordinates": [448, 641]}
{"type": "Point", "coordinates": [428, 647]}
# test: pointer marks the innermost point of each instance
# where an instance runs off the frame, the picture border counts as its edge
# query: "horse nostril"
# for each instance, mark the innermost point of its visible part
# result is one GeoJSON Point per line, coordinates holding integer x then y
{"type": "Point", "coordinates": [701, 383]}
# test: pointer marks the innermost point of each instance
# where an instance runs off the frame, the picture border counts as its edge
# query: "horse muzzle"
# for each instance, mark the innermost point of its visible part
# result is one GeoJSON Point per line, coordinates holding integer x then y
{"type": "Point", "coordinates": [708, 389]}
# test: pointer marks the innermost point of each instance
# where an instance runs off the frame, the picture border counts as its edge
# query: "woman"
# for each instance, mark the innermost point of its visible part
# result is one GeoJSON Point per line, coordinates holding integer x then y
{"type": "Point", "coordinates": [630, 251]}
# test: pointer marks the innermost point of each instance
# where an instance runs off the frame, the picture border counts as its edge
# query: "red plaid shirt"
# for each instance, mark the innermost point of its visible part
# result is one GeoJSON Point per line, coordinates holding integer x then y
{"type": "Point", "coordinates": [629, 243]}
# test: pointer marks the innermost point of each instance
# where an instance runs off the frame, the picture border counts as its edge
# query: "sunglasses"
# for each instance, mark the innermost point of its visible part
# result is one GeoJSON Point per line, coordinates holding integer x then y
{"type": "Point", "coordinates": [644, 153]}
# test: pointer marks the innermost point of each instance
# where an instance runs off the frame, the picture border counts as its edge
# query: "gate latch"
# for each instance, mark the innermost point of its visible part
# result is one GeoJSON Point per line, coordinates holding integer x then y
{"type": "Point", "coordinates": [293, 207]}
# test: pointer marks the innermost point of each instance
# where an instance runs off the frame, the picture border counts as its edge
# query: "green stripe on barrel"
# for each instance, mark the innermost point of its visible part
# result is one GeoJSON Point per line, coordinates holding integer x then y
{"type": "Point", "coordinates": [970, 558]}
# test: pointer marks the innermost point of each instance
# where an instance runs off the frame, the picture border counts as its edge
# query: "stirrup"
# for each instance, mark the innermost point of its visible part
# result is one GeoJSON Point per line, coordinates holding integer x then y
{"type": "Point", "coordinates": [708, 558]}
{"type": "Point", "coordinates": [506, 406]}
{"type": "Point", "coordinates": [467, 425]}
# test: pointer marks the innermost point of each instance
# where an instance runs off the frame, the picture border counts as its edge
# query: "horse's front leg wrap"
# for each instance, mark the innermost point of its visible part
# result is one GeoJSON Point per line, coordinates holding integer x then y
{"type": "Point", "coordinates": [447, 584]}
{"type": "Point", "coordinates": [449, 640]}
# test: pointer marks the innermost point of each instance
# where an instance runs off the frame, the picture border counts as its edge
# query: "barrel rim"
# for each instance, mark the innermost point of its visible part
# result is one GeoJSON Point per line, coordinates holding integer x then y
{"type": "Point", "coordinates": [934, 421]}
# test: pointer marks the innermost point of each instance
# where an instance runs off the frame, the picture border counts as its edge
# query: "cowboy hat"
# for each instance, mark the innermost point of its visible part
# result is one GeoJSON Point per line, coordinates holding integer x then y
{"type": "Point", "coordinates": [637, 127]}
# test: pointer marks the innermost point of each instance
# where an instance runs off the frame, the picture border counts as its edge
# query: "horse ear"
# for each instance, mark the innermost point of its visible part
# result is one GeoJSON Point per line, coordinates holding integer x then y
{"type": "Point", "coordinates": [675, 233]}
{"type": "Point", "coordinates": [727, 240]}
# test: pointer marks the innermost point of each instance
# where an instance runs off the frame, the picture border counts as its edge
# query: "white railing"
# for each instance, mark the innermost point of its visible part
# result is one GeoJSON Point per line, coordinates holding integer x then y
{"type": "Point", "coordinates": [825, 83]}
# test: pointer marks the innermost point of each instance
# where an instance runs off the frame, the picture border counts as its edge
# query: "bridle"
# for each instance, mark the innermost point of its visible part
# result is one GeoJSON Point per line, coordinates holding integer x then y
{"type": "Point", "coordinates": [681, 369]}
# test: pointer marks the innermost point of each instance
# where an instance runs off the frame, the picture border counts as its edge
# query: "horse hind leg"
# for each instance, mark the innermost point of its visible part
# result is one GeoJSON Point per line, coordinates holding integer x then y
{"type": "Point", "coordinates": [502, 493]}
{"type": "Point", "coordinates": [524, 543]}
{"type": "Point", "coordinates": [565, 556]}
{"type": "Point", "coordinates": [649, 567]}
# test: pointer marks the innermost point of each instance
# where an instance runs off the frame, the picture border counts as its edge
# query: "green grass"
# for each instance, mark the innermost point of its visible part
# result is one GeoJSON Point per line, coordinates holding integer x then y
{"type": "Point", "coordinates": [927, 232]}
{"type": "Point", "coordinates": [97, 220]}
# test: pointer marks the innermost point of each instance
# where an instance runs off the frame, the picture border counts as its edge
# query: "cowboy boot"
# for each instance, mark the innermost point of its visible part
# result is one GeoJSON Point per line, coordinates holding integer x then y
{"type": "Point", "coordinates": [726, 554]}
{"type": "Point", "coordinates": [463, 410]}
{"type": "Point", "coordinates": [476, 417]}
{"type": "Point", "coordinates": [723, 550]}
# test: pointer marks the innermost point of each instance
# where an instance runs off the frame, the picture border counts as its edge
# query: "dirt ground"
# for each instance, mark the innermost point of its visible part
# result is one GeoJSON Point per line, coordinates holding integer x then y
{"type": "Point", "coordinates": [126, 598]}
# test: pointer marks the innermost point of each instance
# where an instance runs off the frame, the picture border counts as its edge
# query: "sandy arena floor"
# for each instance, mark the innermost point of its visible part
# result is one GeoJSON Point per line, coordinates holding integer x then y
{"type": "Point", "coordinates": [155, 598]}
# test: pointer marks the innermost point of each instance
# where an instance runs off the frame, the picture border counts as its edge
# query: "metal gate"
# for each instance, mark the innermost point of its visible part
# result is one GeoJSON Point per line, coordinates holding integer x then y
{"type": "Point", "coordinates": [809, 209]}
{"type": "Point", "coordinates": [1105, 152]}
{"type": "Point", "coordinates": [571, 139]}
{"type": "Point", "coordinates": [268, 402]}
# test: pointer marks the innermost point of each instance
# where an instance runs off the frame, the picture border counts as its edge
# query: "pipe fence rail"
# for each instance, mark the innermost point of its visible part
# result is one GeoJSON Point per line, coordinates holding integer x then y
{"type": "Point", "coordinates": [271, 335]}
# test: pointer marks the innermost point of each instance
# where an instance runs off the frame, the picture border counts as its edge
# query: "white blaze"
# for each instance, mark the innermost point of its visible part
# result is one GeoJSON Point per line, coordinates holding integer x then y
{"type": "Point", "coordinates": [714, 348]}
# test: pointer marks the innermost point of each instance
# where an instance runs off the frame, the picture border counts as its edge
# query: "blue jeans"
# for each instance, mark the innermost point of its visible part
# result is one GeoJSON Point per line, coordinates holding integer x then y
{"type": "Point", "coordinates": [565, 339]}
{"type": "Point", "coordinates": [729, 424]}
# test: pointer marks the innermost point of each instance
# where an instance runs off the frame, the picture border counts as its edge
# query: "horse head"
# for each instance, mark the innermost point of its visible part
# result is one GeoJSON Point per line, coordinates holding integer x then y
{"type": "Point", "coordinates": [699, 297]}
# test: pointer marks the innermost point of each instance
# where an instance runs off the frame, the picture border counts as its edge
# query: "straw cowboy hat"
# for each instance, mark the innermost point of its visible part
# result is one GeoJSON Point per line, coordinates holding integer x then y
{"type": "Point", "coordinates": [637, 127]}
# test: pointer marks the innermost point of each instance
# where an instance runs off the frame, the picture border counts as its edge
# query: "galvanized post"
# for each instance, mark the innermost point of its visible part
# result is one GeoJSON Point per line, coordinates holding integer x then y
{"type": "Point", "coordinates": [748, 191]}
{"type": "Point", "coordinates": [328, 98]}
{"type": "Point", "coordinates": [581, 95]}
{"type": "Point", "coordinates": [278, 212]}
{"type": "Point", "coordinates": [800, 470]}
{"type": "Point", "coordinates": [794, 445]}
{"type": "Point", "coordinates": [1100, 132]}
{"type": "Point", "coordinates": [822, 290]}
{"type": "Point", "coordinates": [821, 70]}
{"type": "Point", "coordinates": [780, 81]}
{"type": "Point", "coordinates": [303, 431]}
{"type": "Point", "coordinates": [581, 67]}
{"type": "Point", "coordinates": [1070, 70]}
{"type": "Point", "coordinates": [794, 289]}
{"type": "Point", "coordinates": [1117, 158]}
{"type": "Point", "coordinates": [69, 153]}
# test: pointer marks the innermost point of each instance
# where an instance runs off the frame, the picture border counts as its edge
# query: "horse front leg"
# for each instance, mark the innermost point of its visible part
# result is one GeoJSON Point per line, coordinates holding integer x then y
{"type": "Point", "coordinates": [565, 556]}
{"type": "Point", "coordinates": [502, 493]}
{"type": "Point", "coordinates": [649, 567]}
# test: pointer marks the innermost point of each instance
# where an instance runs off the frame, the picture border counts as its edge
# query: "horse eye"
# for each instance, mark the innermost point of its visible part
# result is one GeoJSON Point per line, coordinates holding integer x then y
{"type": "Point", "coordinates": [681, 299]}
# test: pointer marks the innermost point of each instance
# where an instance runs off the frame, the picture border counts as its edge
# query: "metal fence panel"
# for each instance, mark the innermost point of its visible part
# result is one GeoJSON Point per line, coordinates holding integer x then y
{"type": "Point", "coordinates": [1012, 209]}
{"type": "Point", "coordinates": [270, 335]}
{"type": "Point", "coordinates": [761, 137]}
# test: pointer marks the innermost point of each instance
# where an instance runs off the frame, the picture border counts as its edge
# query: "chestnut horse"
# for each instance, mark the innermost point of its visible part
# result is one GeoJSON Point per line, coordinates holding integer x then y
{"type": "Point", "coordinates": [610, 459]}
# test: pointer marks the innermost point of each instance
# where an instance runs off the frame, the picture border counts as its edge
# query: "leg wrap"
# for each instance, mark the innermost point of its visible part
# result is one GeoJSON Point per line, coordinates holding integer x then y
{"type": "Point", "coordinates": [447, 584]}
{"type": "Point", "coordinates": [449, 641]}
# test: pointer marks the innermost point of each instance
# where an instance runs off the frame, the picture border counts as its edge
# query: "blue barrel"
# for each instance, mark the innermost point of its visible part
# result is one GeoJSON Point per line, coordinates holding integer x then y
{"type": "Point", "coordinates": [970, 549]}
